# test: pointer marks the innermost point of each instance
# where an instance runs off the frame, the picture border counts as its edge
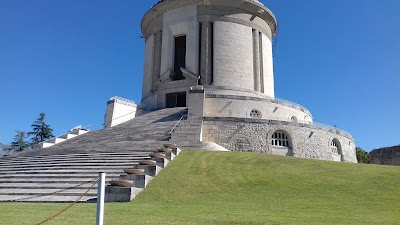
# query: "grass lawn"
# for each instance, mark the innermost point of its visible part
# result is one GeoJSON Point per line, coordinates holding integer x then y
{"type": "Point", "coordinates": [243, 188]}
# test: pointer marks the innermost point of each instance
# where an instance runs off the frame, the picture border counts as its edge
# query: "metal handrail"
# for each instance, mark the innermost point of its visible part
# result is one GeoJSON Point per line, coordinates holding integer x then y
{"type": "Point", "coordinates": [173, 128]}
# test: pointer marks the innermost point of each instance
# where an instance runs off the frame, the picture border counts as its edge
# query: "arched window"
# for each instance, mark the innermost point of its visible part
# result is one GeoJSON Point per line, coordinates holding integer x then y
{"type": "Point", "coordinates": [255, 113]}
{"type": "Point", "coordinates": [335, 146]}
{"type": "Point", "coordinates": [280, 138]}
{"type": "Point", "coordinates": [336, 150]}
{"type": "Point", "coordinates": [294, 119]}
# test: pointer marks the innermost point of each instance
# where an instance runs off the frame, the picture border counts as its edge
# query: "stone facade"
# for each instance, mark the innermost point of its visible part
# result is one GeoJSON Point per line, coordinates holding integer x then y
{"type": "Point", "coordinates": [215, 58]}
{"type": "Point", "coordinates": [306, 141]}
{"type": "Point", "coordinates": [233, 55]}
{"type": "Point", "coordinates": [228, 43]}
{"type": "Point", "coordinates": [223, 105]}
{"type": "Point", "coordinates": [385, 156]}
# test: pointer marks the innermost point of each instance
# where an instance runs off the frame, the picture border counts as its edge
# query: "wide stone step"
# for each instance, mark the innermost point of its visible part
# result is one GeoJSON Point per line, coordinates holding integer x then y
{"type": "Point", "coordinates": [69, 164]}
{"type": "Point", "coordinates": [55, 199]}
{"type": "Point", "coordinates": [51, 180]}
{"type": "Point", "coordinates": [83, 154]}
{"type": "Point", "coordinates": [33, 159]}
{"type": "Point", "coordinates": [64, 171]}
{"type": "Point", "coordinates": [60, 159]}
{"type": "Point", "coordinates": [44, 185]}
{"type": "Point", "coordinates": [96, 167]}
{"type": "Point", "coordinates": [64, 175]}
{"type": "Point", "coordinates": [72, 162]}
{"type": "Point", "coordinates": [77, 155]}
{"type": "Point", "coordinates": [66, 162]}
{"type": "Point", "coordinates": [71, 192]}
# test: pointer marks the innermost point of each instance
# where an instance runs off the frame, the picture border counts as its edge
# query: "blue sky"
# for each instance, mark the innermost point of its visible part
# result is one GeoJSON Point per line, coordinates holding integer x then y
{"type": "Point", "coordinates": [340, 59]}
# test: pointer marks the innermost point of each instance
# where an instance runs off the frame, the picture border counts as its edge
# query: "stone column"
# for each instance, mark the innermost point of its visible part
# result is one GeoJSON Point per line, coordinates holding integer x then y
{"type": "Point", "coordinates": [256, 58]}
{"type": "Point", "coordinates": [157, 59]}
{"type": "Point", "coordinates": [261, 62]}
{"type": "Point", "coordinates": [206, 53]}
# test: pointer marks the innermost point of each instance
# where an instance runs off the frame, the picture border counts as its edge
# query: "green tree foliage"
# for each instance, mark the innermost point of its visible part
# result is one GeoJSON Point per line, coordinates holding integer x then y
{"type": "Point", "coordinates": [362, 156]}
{"type": "Point", "coordinates": [41, 131]}
{"type": "Point", "coordinates": [19, 142]}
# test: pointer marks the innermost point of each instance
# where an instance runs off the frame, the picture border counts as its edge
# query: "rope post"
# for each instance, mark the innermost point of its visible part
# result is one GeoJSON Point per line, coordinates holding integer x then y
{"type": "Point", "coordinates": [100, 199]}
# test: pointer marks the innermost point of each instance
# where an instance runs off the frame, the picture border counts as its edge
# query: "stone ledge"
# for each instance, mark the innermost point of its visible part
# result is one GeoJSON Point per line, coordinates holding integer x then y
{"type": "Point", "coordinates": [276, 122]}
{"type": "Point", "coordinates": [249, 98]}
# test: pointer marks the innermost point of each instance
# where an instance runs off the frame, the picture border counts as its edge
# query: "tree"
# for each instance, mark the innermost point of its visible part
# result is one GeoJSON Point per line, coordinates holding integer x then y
{"type": "Point", "coordinates": [19, 142]}
{"type": "Point", "coordinates": [41, 131]}
{"type": "Point", "coordinates": [362, 156]}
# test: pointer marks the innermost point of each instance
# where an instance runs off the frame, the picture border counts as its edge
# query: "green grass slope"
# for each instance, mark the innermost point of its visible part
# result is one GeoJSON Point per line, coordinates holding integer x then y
{"type": "Point", "coordinates": [244, 188]}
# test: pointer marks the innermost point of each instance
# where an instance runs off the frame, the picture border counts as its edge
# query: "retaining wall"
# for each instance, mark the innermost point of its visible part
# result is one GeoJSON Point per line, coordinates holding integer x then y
{"type": "Point", "coordinates": [307, 141]}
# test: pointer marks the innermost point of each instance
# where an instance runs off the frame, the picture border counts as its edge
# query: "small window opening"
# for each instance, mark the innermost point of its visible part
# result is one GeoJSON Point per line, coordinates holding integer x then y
{"type": "Point", "coordinates": [280, 138]}
{"type": "Point", "coordinates": [334, 147]}
{"type": "Point", "coordinates": [255, 114]}
{"type": "Point", "coordinates": [180, 57]}
{"type": "Point", "coordinates": [177, 99]}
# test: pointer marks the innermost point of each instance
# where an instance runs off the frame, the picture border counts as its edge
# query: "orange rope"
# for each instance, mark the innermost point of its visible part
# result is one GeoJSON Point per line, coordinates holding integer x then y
{"type": "Point", "coordinates": [76, 201]}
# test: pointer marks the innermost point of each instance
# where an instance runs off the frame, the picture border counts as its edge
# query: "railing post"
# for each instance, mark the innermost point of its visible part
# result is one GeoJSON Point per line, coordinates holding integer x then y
{"type": "Point", "coordinates": [100, 199]}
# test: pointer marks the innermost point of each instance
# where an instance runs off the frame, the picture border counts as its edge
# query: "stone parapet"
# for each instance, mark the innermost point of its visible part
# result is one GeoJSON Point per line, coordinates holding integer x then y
{"type": "Point", "coordinates": [122, 101]}
{"type": "Point", "coordinates": [214, 94]}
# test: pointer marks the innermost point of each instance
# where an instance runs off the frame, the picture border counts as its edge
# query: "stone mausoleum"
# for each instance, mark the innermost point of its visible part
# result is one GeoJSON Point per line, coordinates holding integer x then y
{"type": "Point", "coordinates": [215, 58]}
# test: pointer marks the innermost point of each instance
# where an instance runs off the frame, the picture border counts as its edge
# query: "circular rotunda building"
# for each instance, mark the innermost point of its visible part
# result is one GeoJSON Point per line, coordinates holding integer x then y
{"type": "Point", "coordinates": [215, 58]}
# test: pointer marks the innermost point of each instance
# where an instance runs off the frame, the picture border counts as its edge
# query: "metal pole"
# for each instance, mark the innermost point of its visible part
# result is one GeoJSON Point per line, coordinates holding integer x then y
{"type": "Point", "coordinates": [100, 199]}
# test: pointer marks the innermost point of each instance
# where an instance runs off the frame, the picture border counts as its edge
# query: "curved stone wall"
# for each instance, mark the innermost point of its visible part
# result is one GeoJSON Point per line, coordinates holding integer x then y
{"type": "Point", "coordinates": [228, 43]}
{"type": "Point", "coordinates": [217, 105]}
{"type": "Point", "coordinates": [233, 55]}
{"type": "Point", "coordinates": [306, 141]}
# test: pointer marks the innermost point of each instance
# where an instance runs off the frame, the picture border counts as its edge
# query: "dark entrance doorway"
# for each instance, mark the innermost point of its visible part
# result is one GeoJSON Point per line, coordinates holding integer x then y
{"type": "Point", "coordinates": [180, 57]}
{"type": "Point", "coordinates": [177, 99]}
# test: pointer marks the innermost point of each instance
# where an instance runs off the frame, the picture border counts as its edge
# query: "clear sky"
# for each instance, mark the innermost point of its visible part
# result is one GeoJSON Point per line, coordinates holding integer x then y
{"type": "Point", "coordinates": [66, 58]}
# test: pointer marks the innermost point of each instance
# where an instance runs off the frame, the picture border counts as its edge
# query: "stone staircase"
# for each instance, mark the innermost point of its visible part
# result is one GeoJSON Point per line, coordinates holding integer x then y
{"type": "Point", "coordinates": [188, 131]}
{"type": "Point", "coordinates": [34, 178]}
{"type": "Point", "coordinates": [29, 174]}
{"type": "Point", "coordinates": [60, 139]}
{"type": "Point", "coordinates": [143, 133]}
{"type": "Point", "coordinates": [74, 161]}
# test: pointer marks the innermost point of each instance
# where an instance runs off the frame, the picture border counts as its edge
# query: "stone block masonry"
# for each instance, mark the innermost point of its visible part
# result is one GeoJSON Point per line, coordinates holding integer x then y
{"type": "Point", "coordinates": [386, 156]}
{"type": "Point", "coordinates": [188, 130]}
{"type": "Point", "coordinates": [306, 141]}
{"type": "Point", "coordinates": [233, 55]}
